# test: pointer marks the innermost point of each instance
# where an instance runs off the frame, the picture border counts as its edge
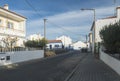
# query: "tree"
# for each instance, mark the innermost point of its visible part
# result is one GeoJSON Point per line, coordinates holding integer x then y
{"type": "Point", "coordinates": [9, 41]}
{"type": "Point", "coordinates": [43, 42]}
{"type": "Point", "coordinates": [36, 43]}
{"type": "Point", "coordinates": [111, 38]}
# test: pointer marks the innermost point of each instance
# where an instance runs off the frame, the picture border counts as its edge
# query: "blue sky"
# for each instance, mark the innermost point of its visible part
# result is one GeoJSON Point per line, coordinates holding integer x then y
{"type": "Point", "coordinates": [64, 17]}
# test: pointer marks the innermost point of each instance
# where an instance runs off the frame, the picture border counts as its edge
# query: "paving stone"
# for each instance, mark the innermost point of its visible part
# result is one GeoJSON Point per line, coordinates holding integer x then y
{"type": "Point", "coordinates": [91, 69]}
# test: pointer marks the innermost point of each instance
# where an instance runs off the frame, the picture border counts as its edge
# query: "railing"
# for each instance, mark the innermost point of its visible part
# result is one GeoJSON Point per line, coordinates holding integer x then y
{"type": "Point", "coordinates": [13, 32]}
{"type": "Point", "coordinates": [4, 50]}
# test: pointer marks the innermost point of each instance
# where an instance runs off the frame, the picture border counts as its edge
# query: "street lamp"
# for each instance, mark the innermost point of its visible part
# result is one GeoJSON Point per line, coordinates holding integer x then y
{"type": "Point", "coordinates": [91, 10]}
{"type": "Point", "coordinates": [94, 24]}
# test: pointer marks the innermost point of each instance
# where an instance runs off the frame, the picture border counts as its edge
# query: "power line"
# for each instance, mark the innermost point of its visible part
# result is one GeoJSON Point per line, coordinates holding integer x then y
{"type": "Point", "coordinates": [65, 29]}
{"type": "Point", "coordinates": [51, 22]}
{"type": "Point", "coordinates": [75, 35]}
{"type": "Point", "coordinates": [34, 9]}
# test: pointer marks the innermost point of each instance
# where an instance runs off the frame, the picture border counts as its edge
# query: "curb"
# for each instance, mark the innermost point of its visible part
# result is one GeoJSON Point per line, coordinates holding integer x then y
{"type": "Point", "coordinates": [74, 70]}
{"type": "Point", "coordinates": [31, 61]}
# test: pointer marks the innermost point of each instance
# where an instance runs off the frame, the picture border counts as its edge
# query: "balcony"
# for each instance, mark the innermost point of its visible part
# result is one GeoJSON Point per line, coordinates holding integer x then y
{"type": "Point", "coordinates": [13, 32]}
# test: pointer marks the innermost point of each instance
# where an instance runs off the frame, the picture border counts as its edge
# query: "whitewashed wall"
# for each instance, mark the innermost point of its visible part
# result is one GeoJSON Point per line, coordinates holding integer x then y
{"type": "Point", "coordinates": [101, 23]}
{"type": "Point", "coordinates": [110, 61]}
{"type": "Point", "coordinates": [67, 41]}
{"type": "Point", "coordinates": [79, 45]}
{"type": "Point", "coordinates": [53, 45]}
{"type": "Point", "coordinates": [18, 30]}
{"type": "Point", "coordinates": [20, 56]}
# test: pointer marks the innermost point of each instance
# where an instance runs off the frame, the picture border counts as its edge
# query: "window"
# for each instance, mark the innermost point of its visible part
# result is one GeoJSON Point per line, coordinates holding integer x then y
{"type": "Point", "coordinates": [56, 46]}
{"type": "Point", "coordinates": [10, 25]}
{"type": "Point", "coordinates": [7, 58]}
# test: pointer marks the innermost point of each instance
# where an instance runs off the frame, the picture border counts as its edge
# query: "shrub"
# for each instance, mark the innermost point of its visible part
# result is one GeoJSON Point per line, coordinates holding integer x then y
{"type": "Point", "coordinates": [36, 43]}
{"type": "Point", "coordinates": [111, 38]}
{"type": "Point", "coordinates": [49, 53]}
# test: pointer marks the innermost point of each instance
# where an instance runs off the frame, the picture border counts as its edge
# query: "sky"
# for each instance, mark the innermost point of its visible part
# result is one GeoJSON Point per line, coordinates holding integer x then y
{"type": "Point", "coordinates": [64, 17]}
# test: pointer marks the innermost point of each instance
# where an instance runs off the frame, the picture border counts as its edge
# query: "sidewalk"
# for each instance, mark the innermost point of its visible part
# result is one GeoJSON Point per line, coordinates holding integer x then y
{"type": "Point", "coordinates": [91, 69]}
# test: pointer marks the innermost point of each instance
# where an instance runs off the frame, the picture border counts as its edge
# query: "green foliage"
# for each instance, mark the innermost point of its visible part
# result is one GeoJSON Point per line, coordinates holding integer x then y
{"type": "Point", "coordinates": [111, 38]}
{"type": "Point", "coordinates": [43, 42]}
{"type": "Point", "coordinates": [36, 43]}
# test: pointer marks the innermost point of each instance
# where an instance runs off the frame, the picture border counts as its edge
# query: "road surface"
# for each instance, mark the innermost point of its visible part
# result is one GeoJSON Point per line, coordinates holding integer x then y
{"type": "Point", "coordinates": [49, 69]}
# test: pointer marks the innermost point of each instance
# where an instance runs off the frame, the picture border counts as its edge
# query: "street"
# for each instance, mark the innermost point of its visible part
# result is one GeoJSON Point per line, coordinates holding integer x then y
{"type": "Point", "coordinates": [49, 69]}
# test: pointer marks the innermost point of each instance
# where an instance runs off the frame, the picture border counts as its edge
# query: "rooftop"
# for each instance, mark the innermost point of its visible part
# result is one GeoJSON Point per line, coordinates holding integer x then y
{"type": "Point", "coordinates": [54, 41]}
{"type": "Point", "coordinates": [12, 12]}
{"type": "Point", "coordinates": [110, 17]}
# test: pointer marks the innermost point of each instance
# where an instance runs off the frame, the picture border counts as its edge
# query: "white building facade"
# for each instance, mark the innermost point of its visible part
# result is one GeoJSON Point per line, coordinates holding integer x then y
{"type": "Point", "coordinates": [99, 24]}
{"type": "Point", "coordinates": [90, 41]}
{"type": "Point", "coordinates": [79, 45]}
{"type": "Point", "coordinates": [54, 44]}
{"type": "Point", "coordinates": [67, 41]}
{"type": "Point", "coordinates": [13, 25]}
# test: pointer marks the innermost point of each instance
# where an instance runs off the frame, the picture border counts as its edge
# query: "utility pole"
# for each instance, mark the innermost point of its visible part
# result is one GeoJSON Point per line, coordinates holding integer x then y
{"type": "Point", "coordinates": [94, 11]}
{"type": "Point", "coordinates": [45, 28]}
{"type": "Point", "coordinates": [44, 34]}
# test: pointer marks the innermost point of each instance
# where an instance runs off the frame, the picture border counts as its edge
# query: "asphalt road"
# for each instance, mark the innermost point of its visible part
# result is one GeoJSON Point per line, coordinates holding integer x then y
{"type": "Point", "coordinates": [49, 69]}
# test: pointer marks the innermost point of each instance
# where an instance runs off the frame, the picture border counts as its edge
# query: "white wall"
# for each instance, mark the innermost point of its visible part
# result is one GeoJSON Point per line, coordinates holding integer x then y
{"type": "Point", "coordinates": [110, 61]}
{"type": "Point", "coordinates": [53, 45]}
{"type": "Point", "coordinates": [118, 12]}
{"type": "Point", "coordinates": [20, 56]}
{"type": "Point", "coordinates": [67, 41]}
{"type": "Point", "coordinates": [100, 24]}
{"type": "Point", "coordinates": [78, 45]}
{"type": "Point", "coordinates": [18, 30]}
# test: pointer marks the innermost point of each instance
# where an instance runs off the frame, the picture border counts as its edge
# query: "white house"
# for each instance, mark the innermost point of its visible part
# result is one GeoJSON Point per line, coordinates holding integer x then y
{"type": "Point", "coordinates": [12, 24]}
{"type": "Point", "coordinates": [67, 41]}
{"type": "Point", "coordinates": [54, 44]}
{"type": "Point", "coordinates": [35, 37]}
{"type": "Point", "coordinates": [90, 41]}
{"type": "Point", "coordinates": [79, 45]}
{"type": "Point", "coordinates": [99, 24]}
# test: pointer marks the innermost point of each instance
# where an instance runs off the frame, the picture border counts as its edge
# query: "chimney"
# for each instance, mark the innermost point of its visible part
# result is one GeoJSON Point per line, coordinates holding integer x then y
{"type": "Point", "coordinates": [118, 12]}
{"type": "Point", "coordinates": [6, 6]}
